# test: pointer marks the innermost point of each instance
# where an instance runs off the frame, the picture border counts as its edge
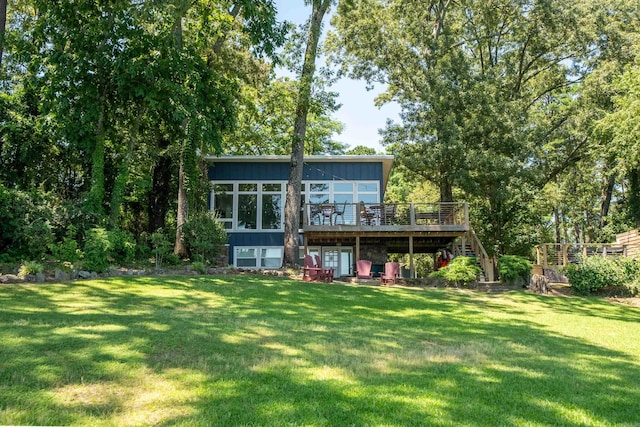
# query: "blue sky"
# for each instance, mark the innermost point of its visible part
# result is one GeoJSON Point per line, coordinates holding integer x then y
{"type": "Point", "coordinates": [361, 117]}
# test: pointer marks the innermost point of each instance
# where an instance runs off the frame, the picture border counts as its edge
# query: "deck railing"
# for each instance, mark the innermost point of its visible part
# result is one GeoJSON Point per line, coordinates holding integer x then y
{"type": "Point", "coordinates": [386, 214]}
{"type": "Point", "coordinates": [556, 255]}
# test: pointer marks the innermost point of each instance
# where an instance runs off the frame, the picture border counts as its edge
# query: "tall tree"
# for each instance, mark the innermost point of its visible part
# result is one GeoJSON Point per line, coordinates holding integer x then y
{"type": "Point", "coordinates": [3, 26]}
{"type": "Point", "coordinates": [292, 204]}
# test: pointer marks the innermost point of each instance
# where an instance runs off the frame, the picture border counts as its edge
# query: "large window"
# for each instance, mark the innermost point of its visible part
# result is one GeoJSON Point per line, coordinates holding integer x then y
{"type": "Point", "coordinates": [262, 257]}
{"type": "Point", "coordinates": [249, 205]}
{"type": "Point", "coordinates": [259, 205]}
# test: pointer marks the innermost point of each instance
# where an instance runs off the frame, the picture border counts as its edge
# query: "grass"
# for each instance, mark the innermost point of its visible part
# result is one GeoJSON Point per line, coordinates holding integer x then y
{"type": "Point", "coordinates": [251, 350]}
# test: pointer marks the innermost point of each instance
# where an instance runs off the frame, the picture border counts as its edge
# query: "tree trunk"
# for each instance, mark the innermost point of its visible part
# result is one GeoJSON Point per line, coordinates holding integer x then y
{"type": "Point", "coordinates": [556, 220]}
{"type": "Point", "coordinates": [95, 198]}
{"type": "Point", "coordinates": [159, 195]}
{"type": "Point", "coordinates": [3, 26]}
{"type": "Point", "coordinates": [292, 204]}
{"type": "Point", "coordinates": [607, 193]}
{"type": "Point", "coordinates": [183, 211]}
{"type": "Point", "coordinates": [183, 202]}
{"type": "Point", "coordinates": [120, 183]}
{"type": "Point", "coordinates": [634, 196]}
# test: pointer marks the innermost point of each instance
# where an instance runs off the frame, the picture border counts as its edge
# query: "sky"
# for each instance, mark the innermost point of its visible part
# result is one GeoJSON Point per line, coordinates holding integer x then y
{"type": "Point", "coordinates": [362, 119]}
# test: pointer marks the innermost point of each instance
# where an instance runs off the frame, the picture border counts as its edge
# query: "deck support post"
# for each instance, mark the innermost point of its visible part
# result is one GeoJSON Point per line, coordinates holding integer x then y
{"type": "Point", "coordinates": [357, 248]}
{"type": "Point", "coordinates": [412, 270]}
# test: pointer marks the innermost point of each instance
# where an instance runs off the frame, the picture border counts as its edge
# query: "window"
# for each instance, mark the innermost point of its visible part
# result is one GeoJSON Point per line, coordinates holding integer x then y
{"type": "Point", "coordinates": [223, 204]}
{"type": "Point", "coordinates": [259, 206]}
{"type": "Point", "coordinates": [254, 257]}
{"type": "Point", "coordinates": [245, 257]}
{"type": "Point", "coordinates": [272, 206]}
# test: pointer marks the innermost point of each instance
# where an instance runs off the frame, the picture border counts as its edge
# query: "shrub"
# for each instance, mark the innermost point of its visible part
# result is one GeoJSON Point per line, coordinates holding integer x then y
{"type": "Point", "coordinates": [30, 267]}
{"type": "Point", "coordinates": [66, 252]}
{"type": "Point", "coordinates": [122, 247]}
{"type": "Point", "coordinates": [199, 267]}
{"type": "Point", "coordinates": [96, 250]}
{"type": "Point", "coordinates": [25, 223]}
{"type": "Point", "coordinates": [593, 273]}
{"type": "Point", "coordinates": [514, 267]}
{"type": "Point", "coordinates": [161, 247]}
{"type": "Point", "coordinates": [204, 235]}
{"type": "Point", "coordinates": [461, 271]}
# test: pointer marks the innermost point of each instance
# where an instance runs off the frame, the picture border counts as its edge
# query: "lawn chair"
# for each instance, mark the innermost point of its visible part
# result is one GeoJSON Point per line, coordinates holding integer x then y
{"type": "Point", "coordinates": [310, 271]}
{"type": "Point", "coordinates": [324, 274]}
{"type": "Point", "coordinates": [363, 269]}
{"type": "Point", "coordinates": [391, 273]}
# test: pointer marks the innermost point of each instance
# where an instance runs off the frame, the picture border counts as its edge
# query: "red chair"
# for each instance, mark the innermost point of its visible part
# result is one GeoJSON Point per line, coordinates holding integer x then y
{"type": "Point", "coordinates": [363, 269]}
{"type": "Point", "coordinates": [309, 270]}
{"type": "Point", "coordinates": [391, 273]}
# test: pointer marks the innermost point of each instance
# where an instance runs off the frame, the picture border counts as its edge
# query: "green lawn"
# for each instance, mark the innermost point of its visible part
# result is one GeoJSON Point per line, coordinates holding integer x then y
{"type": "Point", "coordinates": [253, 350]}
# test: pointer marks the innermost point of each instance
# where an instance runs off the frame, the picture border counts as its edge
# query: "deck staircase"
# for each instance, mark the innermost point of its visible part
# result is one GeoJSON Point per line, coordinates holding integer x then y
{"type": "Point", "coordinates": [469, 245]}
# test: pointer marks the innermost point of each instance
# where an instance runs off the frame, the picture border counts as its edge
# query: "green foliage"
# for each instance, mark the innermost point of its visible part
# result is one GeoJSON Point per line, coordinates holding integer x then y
{"type": "Point", "coordinates": [122, 247]}
{"type": "Point", "coordinates": [203, 236]}
{"type": "Point", "coordinates": [30, 267]}
{"type": "Point", "coordinates": [199, 266]}
{"type": "Point", "coordinates": [461, 271]}
{"type": "Point", "coordinates": [514, 267]}
{"type": "Point", "coordinates": [594, 273]}
{"type": "Point", "coordinates": [25, 223]}
{"type": "Point", "coordinates": [97, 247]}
{"type": "Point", "coordinates": [161, 247]}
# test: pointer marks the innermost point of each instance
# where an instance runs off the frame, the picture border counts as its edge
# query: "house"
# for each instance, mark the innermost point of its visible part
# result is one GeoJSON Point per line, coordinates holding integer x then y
{"type": "Point", "coordinates": [343, 219]}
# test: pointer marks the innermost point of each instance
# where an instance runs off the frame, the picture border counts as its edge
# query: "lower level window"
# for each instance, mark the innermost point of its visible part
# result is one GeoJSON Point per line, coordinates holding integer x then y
{"type": "Point", "coordinates": [258, 257]}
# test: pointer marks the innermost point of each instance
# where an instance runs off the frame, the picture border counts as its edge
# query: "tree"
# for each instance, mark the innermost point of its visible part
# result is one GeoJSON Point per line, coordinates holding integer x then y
{"type": "Point", "coordinates": [487, 90]}
{"type": "Point", "coordinates": [3, 26]}
{"type": "Point", "coordinates": [292, 204]}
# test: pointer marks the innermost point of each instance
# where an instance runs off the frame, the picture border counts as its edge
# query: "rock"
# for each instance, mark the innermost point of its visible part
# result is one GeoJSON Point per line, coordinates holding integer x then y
{"type": "Point", "coordinates": [40, 277]}
{"type": "Point", "coordinates": [84, 274]}
{"type": "Point", "coordinates": [61, 276]}
{"type": "Point", "coordinates": [129, 272]}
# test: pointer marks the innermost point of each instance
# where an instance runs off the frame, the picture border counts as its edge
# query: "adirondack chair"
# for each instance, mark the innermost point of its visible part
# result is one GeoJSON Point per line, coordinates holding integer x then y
{"type": "Point", "coordinates": [391, 273]}
{"type": "Point", "coordinates": [310, 271]}
{"type": "Point", "coordinates": [363, 268]}
{"type": "Point", "coordinates": [325, 274]}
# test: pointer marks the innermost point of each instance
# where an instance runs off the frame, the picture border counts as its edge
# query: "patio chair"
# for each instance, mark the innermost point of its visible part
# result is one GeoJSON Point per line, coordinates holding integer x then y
{"type": "Point", "coordinates": [391, 273]}
{"type": "Point", "coordinates": [389, 214]}
{"type": "Point", "coordinates": [339, 212]}
{"type": "Point", "coordinates": [324, 274]}
{"type": "Point", "coordinates": [363, 269]}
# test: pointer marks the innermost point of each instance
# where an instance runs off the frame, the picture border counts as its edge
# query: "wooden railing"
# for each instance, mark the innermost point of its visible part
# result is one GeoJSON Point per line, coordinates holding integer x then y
{"type": "Point", "coordinates": [487, 264]}
{"type": "Point", "coordinates": [557, 255]}
{"type": "Point", "coordinates": [385, 214]}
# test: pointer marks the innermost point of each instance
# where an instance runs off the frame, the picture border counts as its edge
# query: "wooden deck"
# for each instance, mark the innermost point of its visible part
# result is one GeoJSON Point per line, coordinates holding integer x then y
{"type": "Point", "coordinates": [401, 228]}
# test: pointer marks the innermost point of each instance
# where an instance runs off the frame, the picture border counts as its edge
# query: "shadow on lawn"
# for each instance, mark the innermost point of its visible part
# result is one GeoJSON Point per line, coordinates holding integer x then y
{"type": "Point", "coordinates": [274, 351]}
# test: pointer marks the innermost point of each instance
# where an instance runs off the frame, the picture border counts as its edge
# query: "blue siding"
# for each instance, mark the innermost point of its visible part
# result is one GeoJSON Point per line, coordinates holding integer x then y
{"type": "Point", "coordinates": [334, 171]}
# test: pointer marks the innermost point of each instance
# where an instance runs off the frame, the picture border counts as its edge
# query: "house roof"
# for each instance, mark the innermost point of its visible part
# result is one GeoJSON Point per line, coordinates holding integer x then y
{"type": "Point", "coordinates": [387, 161]}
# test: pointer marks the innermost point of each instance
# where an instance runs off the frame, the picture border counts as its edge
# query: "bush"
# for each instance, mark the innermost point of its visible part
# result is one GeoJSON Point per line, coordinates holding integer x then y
{"type": "Point", "coordinates": [514, 267]}
{"type": "Point", "coordinates": [594, 273]}
{"type": "Point", "coordinates": [461, 271]}
{"type": "Point", "coordinates": [30, 267]}
{"type": "Point", "coordinates": [25, 223]}
{"type": "Point", "coordinates": [161, 247]}
{"type": "Point", "coordinates": [204, 236]}
{"type": "Point", "coordinates": [96, 250]}
{"type": "Point", "coordinates": [122, 247]}
{"type": "Point", "coordinates": [199, 267]}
